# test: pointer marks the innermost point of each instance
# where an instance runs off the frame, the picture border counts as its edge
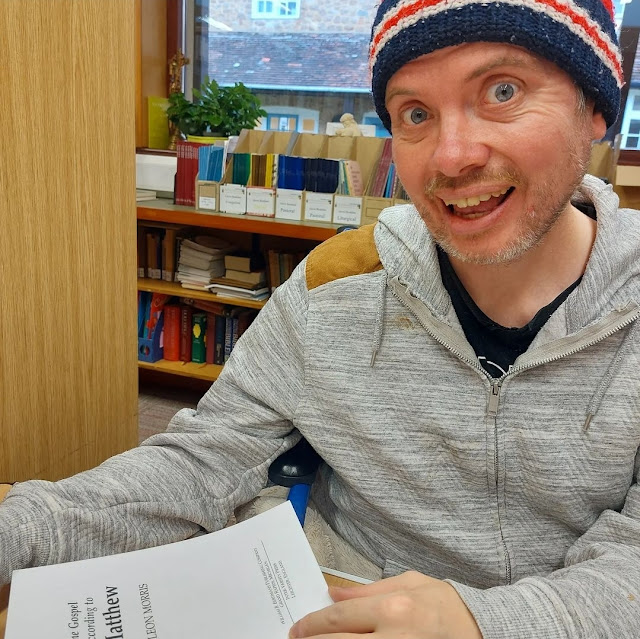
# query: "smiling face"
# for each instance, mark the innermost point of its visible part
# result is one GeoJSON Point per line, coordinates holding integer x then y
{"type": "Point", "coordinates": [489, 142]}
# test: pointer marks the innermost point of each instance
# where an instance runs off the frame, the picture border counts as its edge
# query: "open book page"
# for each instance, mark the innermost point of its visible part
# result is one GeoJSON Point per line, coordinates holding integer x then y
{"type": "Point", "coordinates": [254, 579]}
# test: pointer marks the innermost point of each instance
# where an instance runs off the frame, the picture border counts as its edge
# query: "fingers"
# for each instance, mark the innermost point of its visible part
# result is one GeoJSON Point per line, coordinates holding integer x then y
{"type": "Point", "coordinates": [405, 581]}
{"type": "Point", "coordinates": [342, 618]}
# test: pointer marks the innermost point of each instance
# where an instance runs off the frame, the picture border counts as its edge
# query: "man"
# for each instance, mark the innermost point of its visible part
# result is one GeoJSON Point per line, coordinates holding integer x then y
{"type": "Point", "coordinates": [475, 400]}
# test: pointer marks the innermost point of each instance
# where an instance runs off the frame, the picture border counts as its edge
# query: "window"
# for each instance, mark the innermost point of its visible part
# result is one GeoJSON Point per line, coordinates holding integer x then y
{"type": "Point", "coordinates": [266, 9]}
{"type": "Point", "coordinates": [306, 71]}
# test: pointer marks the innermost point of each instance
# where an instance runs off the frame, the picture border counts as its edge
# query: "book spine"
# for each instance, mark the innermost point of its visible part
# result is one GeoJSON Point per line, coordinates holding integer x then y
{"type": "Point", "coordinates": [169, 255]}
{"type": "Point", "coordinates": [218, 348]}
{"type": "Point", "coordinates": [210, 338]}
{"type": "Point", "coordinates": [172, 333]}
{"type": "Point", "coordinates": [198, 335]}
{"type": "Point", "coordinates": [228, 337]}
{"type": "Point", "coordinates": [186, 315]}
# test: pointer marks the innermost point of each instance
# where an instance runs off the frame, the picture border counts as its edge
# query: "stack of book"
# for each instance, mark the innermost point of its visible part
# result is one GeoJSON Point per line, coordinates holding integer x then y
{"type": "Point", "coordinates": [244, 278]}
{"type": "Point", "coordinates": [201, 261]}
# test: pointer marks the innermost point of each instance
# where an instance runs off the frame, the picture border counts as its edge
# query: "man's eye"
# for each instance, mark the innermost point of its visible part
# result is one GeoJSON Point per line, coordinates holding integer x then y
{"type": "Point", "coordinates": [414, 116]}
{"type": "Point", "coordinates": [502, 92]}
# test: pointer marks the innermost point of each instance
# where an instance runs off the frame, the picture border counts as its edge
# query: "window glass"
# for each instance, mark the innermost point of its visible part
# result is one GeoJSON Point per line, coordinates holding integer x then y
{"type": "Point", "coordinates": [306, 60]}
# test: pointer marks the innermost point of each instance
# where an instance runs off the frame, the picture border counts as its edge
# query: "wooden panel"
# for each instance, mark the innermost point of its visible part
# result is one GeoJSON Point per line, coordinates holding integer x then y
{"type": "Point", "coordinates": [68, 368]}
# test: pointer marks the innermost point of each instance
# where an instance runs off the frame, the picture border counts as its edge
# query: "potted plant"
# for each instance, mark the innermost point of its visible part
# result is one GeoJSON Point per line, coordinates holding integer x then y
{"type": "Point", "coordinates": [215, 111]}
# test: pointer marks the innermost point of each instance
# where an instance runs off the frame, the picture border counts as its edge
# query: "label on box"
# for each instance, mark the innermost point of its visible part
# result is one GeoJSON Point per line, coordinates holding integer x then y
{"type": "Point", "coordinates": [261, 201]}
{"type": "Point", "coordinates": [233, 198]}
{"type": "Point", "coordinates": [208, 203]}
{"type": "Point", "coordinates": [155, 273]}
{"type": "Point", "coordinates": [289, 204]}
{"type": "Point", "coordinates": [318, 207]}
{"type": "Point", "coordinates": [347, 210]}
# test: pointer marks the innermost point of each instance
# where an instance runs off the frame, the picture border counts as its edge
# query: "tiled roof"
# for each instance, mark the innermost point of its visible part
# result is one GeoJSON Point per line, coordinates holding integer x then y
{"type": "Point", "coordinates": [316, 60]}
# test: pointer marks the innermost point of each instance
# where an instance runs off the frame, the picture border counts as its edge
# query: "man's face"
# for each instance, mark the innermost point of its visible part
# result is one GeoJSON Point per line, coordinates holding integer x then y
{"type": "Point", "coordinates": [490, 144]}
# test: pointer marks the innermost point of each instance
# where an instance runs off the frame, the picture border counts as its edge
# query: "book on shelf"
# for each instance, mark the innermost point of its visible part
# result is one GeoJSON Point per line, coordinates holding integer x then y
{"type": "Point", "coordinates": [248, 277]}
{"type": "Point", "coordinates": [201, 259]}
{"type": "Point", "coordinates": [198, 336]}
{"type": "Point", "coordinates": [210, 339]}
{"type": "Point", "coordinates": [143, 195]}
{"type": "Point", "coordinates": [281, 265]}
{"type": "Point", "coordinates": [171, 338]}
{"type": "Point", "coordinates": [246, 262]}
{"type": "Point", "coordinates": [241, 291]}
{"type": "Point", "coordinates": [199, 587]}
{"type": "Point", "coordinates": [186, 321]}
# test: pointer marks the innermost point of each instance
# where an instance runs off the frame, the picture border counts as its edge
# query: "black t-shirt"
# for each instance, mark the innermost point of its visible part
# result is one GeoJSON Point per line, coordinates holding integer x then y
{"type": "Point", "coordinates": [496, 346]}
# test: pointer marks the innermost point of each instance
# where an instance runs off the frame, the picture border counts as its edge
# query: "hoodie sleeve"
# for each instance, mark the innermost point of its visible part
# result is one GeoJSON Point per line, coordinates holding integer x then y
{"type": "Point", "coordinates": [189, 478]}
{"type": "Point", "coordinates": [596, 594]}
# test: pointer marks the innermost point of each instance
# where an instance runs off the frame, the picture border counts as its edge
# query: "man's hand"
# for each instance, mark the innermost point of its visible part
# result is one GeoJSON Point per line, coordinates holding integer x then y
{"type": "Point", "coordinates": [410, 606]}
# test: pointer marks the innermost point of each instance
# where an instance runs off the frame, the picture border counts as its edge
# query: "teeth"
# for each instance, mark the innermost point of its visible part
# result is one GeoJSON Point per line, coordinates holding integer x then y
{"type": "Point", "coordinates": [475, 200]}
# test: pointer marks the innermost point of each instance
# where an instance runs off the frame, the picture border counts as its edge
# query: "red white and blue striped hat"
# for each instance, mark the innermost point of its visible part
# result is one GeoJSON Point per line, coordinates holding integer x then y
{"type": "Point", "coordinates": [577, 35]}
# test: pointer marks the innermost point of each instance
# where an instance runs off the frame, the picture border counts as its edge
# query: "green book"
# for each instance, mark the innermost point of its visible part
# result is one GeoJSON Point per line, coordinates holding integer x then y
{"type": "Point", "coordinates": [198, 340]}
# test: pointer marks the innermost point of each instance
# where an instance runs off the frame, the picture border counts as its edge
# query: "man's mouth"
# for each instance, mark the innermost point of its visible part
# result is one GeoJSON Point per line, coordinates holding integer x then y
{"type": "Point", "coordinates": [478, 205]}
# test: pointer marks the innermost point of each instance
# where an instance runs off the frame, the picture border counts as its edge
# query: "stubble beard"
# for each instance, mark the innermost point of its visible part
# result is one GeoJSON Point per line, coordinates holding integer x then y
{"type": "Point", "coordinates": [535, 224]}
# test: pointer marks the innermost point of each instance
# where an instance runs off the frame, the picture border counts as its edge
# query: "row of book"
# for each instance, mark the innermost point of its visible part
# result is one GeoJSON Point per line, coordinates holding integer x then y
{"type": "Point", "coordinates": [203, 337]}
{"type": "Point", "coordinates": [206, 262]}
{"type": "Point", "coordinates": [319, 175]}
{"type": "Point", "coordinates": [188, 330]}
{"type": "Point", "coordinates": [197, 160]}
{"type": "Point", "coordinates": [281, 265]}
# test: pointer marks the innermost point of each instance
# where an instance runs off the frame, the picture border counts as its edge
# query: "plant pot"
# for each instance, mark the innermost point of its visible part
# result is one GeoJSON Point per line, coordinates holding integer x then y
{"type": "Point", "coordinates": [205, 139]}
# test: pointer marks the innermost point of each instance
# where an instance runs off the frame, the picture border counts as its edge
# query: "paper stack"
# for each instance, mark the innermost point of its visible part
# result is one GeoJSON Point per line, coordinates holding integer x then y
{"type": "Point", "coordinates": [201, 260]}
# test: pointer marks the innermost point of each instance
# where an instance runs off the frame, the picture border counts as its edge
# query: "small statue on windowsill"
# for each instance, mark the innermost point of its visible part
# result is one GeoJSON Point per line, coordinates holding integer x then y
{"type": "Point", "coordinates": [175, 86]}
{"type": "Point", "coordinates": [350, 126]}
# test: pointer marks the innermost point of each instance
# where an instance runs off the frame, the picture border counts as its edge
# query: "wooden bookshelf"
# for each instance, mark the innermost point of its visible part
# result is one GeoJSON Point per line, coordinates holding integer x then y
{"type": "Point", "coordinates": [174, 288]}
{"type": "Point", "coordinates": [209, 372]}
{"type": "Point", "coordinates": [164, 211]}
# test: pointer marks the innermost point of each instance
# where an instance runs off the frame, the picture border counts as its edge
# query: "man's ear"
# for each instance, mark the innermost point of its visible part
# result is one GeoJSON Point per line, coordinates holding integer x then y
{"type": "Point", "coordinates": [598, 125]}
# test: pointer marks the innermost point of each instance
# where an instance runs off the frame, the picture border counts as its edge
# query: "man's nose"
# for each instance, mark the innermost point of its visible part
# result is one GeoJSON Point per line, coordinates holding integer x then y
{"type": "Point", "coordinates": [459, 147]}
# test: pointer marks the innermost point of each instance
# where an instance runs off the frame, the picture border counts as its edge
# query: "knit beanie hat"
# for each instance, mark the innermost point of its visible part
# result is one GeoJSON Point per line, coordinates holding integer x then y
{"type": "Point", "coordinates": [577, 35]}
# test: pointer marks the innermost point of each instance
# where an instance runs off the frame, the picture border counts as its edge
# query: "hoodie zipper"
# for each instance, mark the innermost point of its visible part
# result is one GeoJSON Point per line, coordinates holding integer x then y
{"type": "Point", "coordinates": [616, 321]}
{"type": "Point", "coordinates": [492, 410]}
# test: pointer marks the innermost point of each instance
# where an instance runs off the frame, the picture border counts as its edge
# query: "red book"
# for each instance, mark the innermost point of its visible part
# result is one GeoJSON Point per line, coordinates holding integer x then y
{"type": "Point", "coordinates": [172, 333]}
{"type": "Point", "coordinates": [186, 318]}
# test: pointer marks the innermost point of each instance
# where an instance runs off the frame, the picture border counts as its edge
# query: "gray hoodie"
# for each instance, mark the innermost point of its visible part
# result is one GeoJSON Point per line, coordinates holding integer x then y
{"type": "Point", "coordinates": [521, 490]}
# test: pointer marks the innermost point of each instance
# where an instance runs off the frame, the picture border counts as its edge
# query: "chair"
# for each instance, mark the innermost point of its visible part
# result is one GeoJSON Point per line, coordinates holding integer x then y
{"type": "Point", "coordinates": [296, 469]}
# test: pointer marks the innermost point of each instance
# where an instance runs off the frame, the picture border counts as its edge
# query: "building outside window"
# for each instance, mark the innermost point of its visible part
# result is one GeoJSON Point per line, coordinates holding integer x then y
{"type": "Point", "coordinates": [298, 56]}
{"type": "Point", "coordinates": [275, 9]}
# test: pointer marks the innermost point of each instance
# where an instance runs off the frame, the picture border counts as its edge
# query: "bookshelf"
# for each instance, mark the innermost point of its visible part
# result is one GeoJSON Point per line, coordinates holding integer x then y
{"type": "Point", "coordinates": [173, 288]}
{"type": "Point", "coordinates": [162, 211]}
{"type": "Point", "coordinates": [166, 212]}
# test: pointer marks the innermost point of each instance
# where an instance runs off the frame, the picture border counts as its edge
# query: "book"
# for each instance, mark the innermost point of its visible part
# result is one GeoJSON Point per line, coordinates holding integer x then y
{"type": "Point", "coordinates": [246, 262]}
{"type": "Point", "coordinates": [171, 329]}
{"type": "Point", "coordinates": [210, 338]}
{"type": "Point", "coordinates": [142, 195]}
{"type": "Point", "coordinates": [239, 293]}
{"type": "Point", "coordinates": [198, 336]}
{"type": "Point", "coordinates": [253, 277]}
{"type": "Point", "coordinates": [253, 579]}
{"type": "Point", "coordinates": [226, 281]}
{"type": "Point", "coordinates": [186, 319]}
{"type": "Point", "coordinates": [219, 330]}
